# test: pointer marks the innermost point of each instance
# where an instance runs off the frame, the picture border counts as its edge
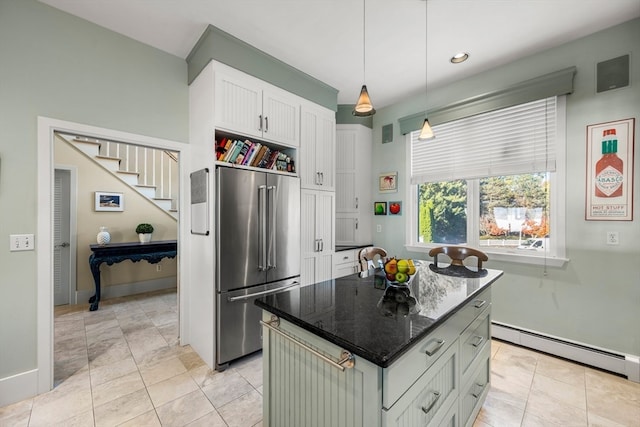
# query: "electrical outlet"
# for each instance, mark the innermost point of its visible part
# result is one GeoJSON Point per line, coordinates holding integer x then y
{"type": "Point", "coordinates": [379, 228]}
{"type": "Point", "coordinates": [612, 238]}
{"type": "Point", "coordinates": [158, 267]}
{"type": "Point", "coordinates": [21, 242]}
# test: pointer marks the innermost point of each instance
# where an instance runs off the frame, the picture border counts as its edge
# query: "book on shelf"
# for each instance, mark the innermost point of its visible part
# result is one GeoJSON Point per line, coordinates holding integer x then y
{"type": "Point", "coordinates": [228, 148]}
{"type": "Point", "coordinates": [258, 157]}
{"type": "Point", "coordinates": [222, 147]}
{"type": "Point", "coordinates": [265, 158]}
{"type": "Point", "coordinates": [244, 149]}
{"type": "Point", "coordinates": [233, 152]}
{"type": "Point", "coordinates": [253, 151]}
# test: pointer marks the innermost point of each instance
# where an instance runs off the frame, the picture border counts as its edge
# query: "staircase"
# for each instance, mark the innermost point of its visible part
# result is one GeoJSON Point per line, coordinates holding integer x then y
{"type": "Point", "coordinates": [151, 172]}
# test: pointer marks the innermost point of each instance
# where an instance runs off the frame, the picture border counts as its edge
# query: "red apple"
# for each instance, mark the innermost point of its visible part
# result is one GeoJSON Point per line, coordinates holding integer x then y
{"type": "Point", "coordinates": [394, 208]}
{"type": "Point", "coordinates": [391, 277]}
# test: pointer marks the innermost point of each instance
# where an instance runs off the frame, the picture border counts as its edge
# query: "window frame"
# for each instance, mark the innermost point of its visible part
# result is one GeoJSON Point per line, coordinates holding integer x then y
{"type": "Point", "coordinates": [555, 256]}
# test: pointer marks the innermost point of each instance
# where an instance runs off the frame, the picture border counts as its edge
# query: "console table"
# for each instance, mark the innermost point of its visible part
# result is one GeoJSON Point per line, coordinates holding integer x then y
{"type": "Point", "coordinates": [112, 253]}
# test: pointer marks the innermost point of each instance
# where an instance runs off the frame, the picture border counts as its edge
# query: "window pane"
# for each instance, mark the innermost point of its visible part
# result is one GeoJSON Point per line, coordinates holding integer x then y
{"type": "Point", "coordinates": [514, 211]}
{"type": "Point", "coordinates": [442, 212]}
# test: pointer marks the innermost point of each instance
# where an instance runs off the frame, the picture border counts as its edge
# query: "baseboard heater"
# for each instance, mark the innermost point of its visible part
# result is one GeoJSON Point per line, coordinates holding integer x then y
{"type": "Point", "coordinates": [625, 365]}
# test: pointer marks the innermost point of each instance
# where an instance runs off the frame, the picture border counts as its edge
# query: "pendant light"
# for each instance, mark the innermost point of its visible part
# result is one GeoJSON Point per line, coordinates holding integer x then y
{"type": "Point", "coordinates": [364, 107]}
{"type": "Point", "coordinates": [426, 132]}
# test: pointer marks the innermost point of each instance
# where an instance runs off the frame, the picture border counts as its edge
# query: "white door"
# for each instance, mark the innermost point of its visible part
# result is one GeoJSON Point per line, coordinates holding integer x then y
{"type": "Point", "coordinates": [61, 237]}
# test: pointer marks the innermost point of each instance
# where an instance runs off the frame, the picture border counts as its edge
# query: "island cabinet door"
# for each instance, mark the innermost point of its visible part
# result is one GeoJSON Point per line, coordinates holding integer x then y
{"type": "Point", "coordinates": [300, 389]}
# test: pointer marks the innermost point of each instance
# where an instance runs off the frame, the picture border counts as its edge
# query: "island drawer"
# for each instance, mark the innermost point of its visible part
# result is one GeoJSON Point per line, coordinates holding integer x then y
{"type": "Point", "coordinates": [428, 400]}
{"type": "Point", "coordinates": [474, 392]}
{"type": "Point", "coordinates": [410, 366]}
{"type": "Point", "coordinates": [467, 314]}
{"type": "Point", "coordinates": [473, 340]}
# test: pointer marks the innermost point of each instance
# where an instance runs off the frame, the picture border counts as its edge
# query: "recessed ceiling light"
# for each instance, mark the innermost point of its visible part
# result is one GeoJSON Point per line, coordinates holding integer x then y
{"type": "Point", "coordinates": [459, 57]}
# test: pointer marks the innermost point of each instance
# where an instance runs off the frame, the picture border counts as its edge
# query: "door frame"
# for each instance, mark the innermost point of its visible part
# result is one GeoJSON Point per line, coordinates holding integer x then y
{"type": "Point", "coordinates": [73, 227]}
{"type": "Point", "coordinates": [44, 253]}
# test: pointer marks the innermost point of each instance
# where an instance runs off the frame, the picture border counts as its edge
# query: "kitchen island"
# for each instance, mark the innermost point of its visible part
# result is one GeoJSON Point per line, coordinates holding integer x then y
{"type": "Point", "coordinates": [356, 352]}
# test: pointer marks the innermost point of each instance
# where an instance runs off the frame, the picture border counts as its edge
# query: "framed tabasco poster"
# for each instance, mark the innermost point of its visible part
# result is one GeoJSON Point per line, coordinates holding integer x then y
{"type": "Point", "coordinates": [610, 171]}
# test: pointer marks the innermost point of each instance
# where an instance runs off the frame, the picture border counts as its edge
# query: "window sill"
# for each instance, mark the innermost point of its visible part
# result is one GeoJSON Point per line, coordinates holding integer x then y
{"type": "Point", "coordinates": [506, 257]}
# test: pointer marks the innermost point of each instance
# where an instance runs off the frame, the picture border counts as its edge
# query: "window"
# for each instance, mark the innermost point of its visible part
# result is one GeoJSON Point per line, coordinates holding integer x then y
{"type": "Point", "coordinates": [492, 181]}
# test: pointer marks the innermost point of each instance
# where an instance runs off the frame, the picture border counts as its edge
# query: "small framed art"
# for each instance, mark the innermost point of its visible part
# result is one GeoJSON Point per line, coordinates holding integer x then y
{"type": "Point", "coordinates": [388, 182]}
{"type": "Point", "coordinates": [380, 208]}
{"type": "Point", "coordinates": [109, 202]}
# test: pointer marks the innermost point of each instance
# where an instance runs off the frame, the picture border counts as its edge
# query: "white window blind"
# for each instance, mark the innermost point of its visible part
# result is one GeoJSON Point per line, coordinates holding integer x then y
{"type": "Point", "coordinates": [510, 141]}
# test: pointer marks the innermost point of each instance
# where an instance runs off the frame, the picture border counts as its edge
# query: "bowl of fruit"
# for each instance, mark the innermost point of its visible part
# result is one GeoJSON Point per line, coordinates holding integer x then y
{"type": "Point", "coordinates": [399, 271]}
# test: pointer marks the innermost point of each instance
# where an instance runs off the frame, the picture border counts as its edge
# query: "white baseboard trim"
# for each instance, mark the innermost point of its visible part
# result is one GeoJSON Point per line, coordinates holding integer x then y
{"type": "Point", "coordinates": [623, 364]}
{"type": "Point", "coordinates": [129, 289]}
{"type": "Point", "coordinates": [18, 387]}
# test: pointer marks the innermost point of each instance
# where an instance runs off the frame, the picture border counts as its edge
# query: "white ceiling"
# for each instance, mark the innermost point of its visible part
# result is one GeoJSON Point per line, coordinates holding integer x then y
{"type": "Point", "coordinates": [324, 38]}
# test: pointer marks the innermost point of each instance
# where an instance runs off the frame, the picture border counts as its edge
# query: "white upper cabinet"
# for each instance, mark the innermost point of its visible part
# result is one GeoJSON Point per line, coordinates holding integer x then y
{"type": "Point", "coordinates": [251, 107]}
{"type": "Point", "coordinates": [317, 148]}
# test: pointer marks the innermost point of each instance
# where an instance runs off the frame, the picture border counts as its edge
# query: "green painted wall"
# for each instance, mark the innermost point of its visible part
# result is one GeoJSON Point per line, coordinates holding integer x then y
{"type": "Point", "coordinates": [223, 47]}
{"type": "Point", "coordinates": [55, 65]}
{"type": "Point", "coordinates": [595, 298]}
{"type": "Point", "coordinates": [344, 116]}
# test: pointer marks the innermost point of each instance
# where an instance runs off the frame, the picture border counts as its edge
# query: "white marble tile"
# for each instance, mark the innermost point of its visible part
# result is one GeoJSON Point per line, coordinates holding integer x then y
{"type": "Point", "coordinates": [171, 389]}
{"type": "Point", "coordinates": [185, 409]}
{"type": "Point", "coordinates": [123, 409]}
{"type": "Point", "coordinates": [67, 401]}
{"type": "Point", "coordinates": [106, 373]}
{"type": "Point", "coordinates": [212, 419]}
{"type": "Point", "coordinates": [16, 414]}
{"type": "Point", "coordinates": [116, 388]}
{"type": "Point", "coordinates": [225, 387]}
{"type": "Point", "coordinates": [148, 419]}
{"type": "Point", "coordinates": [162, 371]}
{"type": "Point", "coordinates": [243, 411]}
{"type": "Point", "coordinates": [558, 391]}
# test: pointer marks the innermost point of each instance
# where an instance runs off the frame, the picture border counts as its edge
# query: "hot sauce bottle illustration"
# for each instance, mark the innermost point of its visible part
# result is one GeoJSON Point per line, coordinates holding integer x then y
{"type": "Point", "coordinates": [609, 169]}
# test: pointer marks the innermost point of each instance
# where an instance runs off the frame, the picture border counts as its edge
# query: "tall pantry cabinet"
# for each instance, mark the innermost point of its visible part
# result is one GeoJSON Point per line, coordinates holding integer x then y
{"type": "Point", "coordinates": [317, 174]}
{"type": "Point", "coordinates": [354, 202]}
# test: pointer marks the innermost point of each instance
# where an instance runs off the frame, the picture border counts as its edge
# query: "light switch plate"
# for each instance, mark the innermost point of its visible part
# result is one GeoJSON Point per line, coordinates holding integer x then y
{"type": "Point", "coordinates": [21, 242]}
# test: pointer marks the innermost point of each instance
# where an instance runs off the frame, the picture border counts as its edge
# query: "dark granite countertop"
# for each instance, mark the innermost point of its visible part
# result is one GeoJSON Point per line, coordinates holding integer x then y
{"type": "Point", "coordinates": [340, 248]}
{"type": "Point", "coordinates": [361, 316]}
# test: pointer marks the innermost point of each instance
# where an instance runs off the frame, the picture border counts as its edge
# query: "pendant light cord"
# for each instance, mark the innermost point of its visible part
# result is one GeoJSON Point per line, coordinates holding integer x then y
{"type": "Point", "coordinates": [426, 44]}
{"type": "Point", "coordinates": [364, 43]}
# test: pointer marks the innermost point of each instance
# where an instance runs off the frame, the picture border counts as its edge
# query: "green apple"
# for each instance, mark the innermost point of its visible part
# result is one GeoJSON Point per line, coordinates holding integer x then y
{"type": "Point", "coordinates": [401, 277]}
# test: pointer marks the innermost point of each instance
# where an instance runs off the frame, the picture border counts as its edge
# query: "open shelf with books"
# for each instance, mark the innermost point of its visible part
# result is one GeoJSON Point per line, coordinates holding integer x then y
{"type": "Point", "coordinates": [251, 153]}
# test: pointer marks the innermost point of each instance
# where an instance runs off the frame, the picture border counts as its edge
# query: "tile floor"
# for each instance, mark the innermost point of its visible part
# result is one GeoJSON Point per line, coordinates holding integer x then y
{"type": "Point", "coordinates": [122, 365]}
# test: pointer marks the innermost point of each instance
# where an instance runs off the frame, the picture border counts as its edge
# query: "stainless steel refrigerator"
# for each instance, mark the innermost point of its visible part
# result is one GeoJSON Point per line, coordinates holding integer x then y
{"type": "Point", "coordinates": [257, 252]}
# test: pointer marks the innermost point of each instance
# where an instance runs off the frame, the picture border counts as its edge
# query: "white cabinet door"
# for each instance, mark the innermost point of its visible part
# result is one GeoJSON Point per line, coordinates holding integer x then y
{"type": "Point", "coordinates": [238, 103]}
{"type": "Point", "coordinates": [317, 230]}
{"type": "Point", "coordinates": [281, 114]}
{"type": "Point", "coordinates": [248, 106]}
{"type": "Point", "coordinates": [317, 147]}
{"type": "Point", "coordinates": [346, 170]}
{"type": "Point", "coordinates": [354, 185]}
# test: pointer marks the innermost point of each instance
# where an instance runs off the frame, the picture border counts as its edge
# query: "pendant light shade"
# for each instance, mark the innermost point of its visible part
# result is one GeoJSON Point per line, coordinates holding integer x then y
{"type": "Point", "coordinates": [426, 132]}
{"type": "Point", "coordinates": [364, 107]}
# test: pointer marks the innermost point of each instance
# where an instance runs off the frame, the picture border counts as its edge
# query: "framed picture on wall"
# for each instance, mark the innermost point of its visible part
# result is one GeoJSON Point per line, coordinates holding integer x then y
{"type": "Point", "coordinates": [609, 189]}
{"type": "Point", "coordinates": [388, 182]}
{"type": "Point", "coordinates": [109, 202]}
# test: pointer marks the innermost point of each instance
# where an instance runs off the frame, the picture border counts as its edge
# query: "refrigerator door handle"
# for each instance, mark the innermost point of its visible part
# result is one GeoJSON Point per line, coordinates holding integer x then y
{"type": "Point", "coordinates": [271, 252]}
{"type": "Point", "coordinates": [262, 238]}
{"type": "Point", "coordinates": [270, 291]}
